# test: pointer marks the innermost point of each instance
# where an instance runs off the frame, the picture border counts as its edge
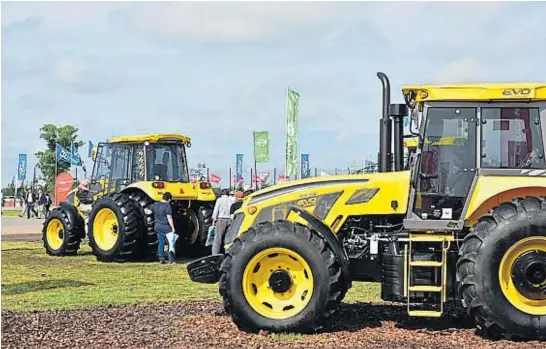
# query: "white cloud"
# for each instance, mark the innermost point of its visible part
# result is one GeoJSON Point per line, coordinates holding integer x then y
{"type": "Point", "coordinates": [69, 70]}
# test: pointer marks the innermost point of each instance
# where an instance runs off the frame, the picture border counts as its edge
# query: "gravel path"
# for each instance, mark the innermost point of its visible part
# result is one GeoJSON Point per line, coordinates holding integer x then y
{"type": "Point", "coordinates": [205, 325]}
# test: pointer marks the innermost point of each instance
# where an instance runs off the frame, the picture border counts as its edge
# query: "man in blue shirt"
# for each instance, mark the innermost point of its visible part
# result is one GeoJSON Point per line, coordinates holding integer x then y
{"type": "Point", "coordinates": [163, 216]}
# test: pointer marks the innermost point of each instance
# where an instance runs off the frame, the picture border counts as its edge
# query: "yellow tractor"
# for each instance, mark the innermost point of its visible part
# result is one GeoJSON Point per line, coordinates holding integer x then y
{"type": "Point", "coordinates": [466, 223]}
{"type": "Point", "coordinates": [129, 174]}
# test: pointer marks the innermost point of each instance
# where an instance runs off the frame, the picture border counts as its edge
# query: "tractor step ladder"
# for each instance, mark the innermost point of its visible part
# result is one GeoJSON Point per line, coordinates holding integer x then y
{"type": "Point", "coordinates": [443, 241]}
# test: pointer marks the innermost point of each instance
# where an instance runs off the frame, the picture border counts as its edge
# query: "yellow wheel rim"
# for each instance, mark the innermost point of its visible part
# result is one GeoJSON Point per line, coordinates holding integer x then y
{"type": "Point", "coordinates": [105, 229]}
{"type": "Point", "coordinates": [278, 283]}
{"type": "Point", "coordinates": [55, 234]}
{"type": "Point", "coordinates": [511, 269]}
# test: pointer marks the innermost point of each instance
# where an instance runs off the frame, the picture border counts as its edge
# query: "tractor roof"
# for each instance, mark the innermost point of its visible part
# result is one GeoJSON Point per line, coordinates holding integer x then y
{"type": "Point", "coordinates": [478, 92]}
{"type": "Point", "coordinates": [152, 138]}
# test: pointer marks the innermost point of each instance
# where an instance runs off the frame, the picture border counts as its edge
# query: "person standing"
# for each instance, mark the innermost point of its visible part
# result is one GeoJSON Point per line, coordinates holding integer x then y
{"type": "Point", "coordinates": [41, 203]}
{"type": "Point", "coordinates": [164, 224]}
{"type": "Point", "coordinates": [30, 199]}
{"type": "Point", "coordinates": [221, 219]}
{"type": "Point", "coordinates": [47, 204]}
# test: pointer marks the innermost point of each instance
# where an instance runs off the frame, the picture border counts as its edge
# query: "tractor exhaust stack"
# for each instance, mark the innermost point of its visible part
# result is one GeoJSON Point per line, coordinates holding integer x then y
{"type": "Point", "coordinates": [385, 128]}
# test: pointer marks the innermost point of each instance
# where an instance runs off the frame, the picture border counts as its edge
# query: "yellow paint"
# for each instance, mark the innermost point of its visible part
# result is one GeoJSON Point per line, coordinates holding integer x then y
{"type": "Point", "coordinates": [55, 234]}
{"type": "Point", "coordinates": [256, 283]}
{"type": "Point", "coordinates": [152, 138]}
{"type": "Point", "coordinates": [478, 92]}
{"type": "Point", "coordinates": [414, 142]}
{"type": "Point", "coordinates": [94, 154]}
{"type": "Point", "coordinates": [526, 305]}
{"type": "Point", "coordinates": [393, 186]}
{"type": "Point", "coordinates": [179, 191]}
{"type": "Point", "coordinates": [490, 191]}
{"type": "Point", "coordinates": [105, 229]}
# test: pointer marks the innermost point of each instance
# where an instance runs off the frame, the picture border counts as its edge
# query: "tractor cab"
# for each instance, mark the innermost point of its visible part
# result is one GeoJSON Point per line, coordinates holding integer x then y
{"type": "Point", "coordinates": [125, 160]}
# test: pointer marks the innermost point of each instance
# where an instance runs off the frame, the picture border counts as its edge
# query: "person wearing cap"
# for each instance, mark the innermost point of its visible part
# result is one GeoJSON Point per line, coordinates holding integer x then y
{"type": "Point", "coordinates": [221, 220]}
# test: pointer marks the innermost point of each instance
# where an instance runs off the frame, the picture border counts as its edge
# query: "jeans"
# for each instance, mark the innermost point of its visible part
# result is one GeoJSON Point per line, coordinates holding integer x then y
{"type": "Point", "coordinates": [161, 242]}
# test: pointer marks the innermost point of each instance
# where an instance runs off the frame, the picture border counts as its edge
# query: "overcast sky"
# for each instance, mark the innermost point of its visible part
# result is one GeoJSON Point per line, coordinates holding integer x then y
{"type": "Point", "coordinates": [218, 71]}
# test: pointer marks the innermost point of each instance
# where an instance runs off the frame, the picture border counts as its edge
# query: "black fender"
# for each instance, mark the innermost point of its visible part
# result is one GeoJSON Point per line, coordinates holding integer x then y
{"type": "Point", "coordinates": [75, 219]}
{"type": "Point", "coordinates": [328, 235]}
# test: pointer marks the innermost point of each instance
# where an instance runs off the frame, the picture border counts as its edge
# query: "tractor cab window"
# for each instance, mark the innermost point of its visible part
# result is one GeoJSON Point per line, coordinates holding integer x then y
{"type": "Point", "coordinates": [511, 138]}
{"type": "Point", "coordinates": [167, 162]}
{"type": "Point", "coordinates": [448, 162]}
{"type": "Point", "coordinates": [102, 167]}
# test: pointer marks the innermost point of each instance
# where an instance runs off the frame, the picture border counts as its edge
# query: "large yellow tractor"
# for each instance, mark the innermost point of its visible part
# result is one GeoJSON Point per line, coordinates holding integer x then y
{"type": "Point", "coordinates": [466, 222]}
{"type": "Point", "coordinates": [129, 174]}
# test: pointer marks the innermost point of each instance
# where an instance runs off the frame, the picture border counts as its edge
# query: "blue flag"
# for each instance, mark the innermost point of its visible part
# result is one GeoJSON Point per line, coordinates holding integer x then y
{"type": "Point", "coordinates": [22, 167]}
{"type": "Point", "coordinates": [305, 169]}
{"type": "Point", "coordinates": [63, 154]}
{"type": "Point", "coordinates": [75, 155]}
{"type": "Point", "coordinates": [239, 169]}
{"type": "Point", "coordinates": [90, 149]}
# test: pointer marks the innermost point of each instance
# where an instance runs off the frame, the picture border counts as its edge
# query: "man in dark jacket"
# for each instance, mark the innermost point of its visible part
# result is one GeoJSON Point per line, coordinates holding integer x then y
{"type": "Point", "coordinates": [30, 199]}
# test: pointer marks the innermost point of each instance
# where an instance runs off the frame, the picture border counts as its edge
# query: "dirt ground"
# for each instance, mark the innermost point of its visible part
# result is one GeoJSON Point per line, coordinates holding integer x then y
{"type": "Point", "coordinates": [205, 325]}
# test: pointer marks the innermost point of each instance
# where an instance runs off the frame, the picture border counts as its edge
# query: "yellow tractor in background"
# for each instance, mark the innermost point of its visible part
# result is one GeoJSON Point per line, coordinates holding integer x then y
{"type": "Point", "coordinates": [129, 174]}
{"type": "Point", "coordinates": [464, 223]}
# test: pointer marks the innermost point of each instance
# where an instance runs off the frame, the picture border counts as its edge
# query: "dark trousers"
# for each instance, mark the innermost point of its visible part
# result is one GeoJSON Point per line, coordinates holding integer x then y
{"type": "Point", "coordinates": [30, 206]}
{"type": "Point", "coordinates": [222, 226]}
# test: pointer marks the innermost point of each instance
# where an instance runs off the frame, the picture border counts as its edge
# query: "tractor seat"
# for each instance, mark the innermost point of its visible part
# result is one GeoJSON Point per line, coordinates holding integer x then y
{"type": "Point", "coordinates": [159, 170]}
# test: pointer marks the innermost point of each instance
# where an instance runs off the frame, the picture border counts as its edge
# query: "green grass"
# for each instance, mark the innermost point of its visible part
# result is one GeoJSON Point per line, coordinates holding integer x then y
{"type": "Point", "coordinates": [7, 212]}
{"type": "Point", "coordinates": [32, 280]}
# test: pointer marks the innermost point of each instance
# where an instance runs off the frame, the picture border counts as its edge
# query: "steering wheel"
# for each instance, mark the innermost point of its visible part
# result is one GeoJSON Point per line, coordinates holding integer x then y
{"type": "Point", "coordinates": [530, 159]}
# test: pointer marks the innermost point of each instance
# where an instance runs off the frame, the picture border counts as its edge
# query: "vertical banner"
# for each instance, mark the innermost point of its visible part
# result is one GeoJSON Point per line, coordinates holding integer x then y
{"type": "Point", "coordinates": [239, 168]}
{"type": "Point", "coordinates": [90, 149]}
{"type": "Point", "coordinates": [292, 103]}
{"type": "Point", "coordinates": [305, 169]}
{"type": "Point", "coordinates": [261, 146]}
{"type": "Point", "coordinates": [22, 167]}
{"type": "Point", "coordinates": [74, 154]}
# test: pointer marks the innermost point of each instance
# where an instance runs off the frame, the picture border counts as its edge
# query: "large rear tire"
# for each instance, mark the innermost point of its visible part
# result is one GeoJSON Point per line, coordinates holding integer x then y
{"type": "Point", "coordinates": [59, 236]}
{"type": "Point", "coordinates": [149, 237]}
{"type": "Point", "coordinates": [280, 277]}
{"type": "Point", "coordinates": [115, 224]}
{"type": "Point", "coordinates": [502, 271]}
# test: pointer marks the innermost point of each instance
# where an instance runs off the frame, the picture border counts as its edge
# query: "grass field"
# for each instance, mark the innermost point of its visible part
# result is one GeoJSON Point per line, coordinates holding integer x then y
{"type": "Point", "coordinates": [32, 280]}
{"type": "Point", "coordinates": [10, 212]}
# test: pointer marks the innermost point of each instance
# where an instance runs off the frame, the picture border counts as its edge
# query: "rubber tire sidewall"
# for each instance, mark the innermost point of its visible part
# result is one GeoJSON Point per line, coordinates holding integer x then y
{"type": "Point", "coordinates": [321, 283]}
{"type": "Point", "coordinates": [55, 214]}
{"type": "Point", "coordinates": [486, 272]}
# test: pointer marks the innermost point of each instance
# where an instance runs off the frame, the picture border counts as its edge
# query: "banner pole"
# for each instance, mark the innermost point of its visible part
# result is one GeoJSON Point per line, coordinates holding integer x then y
{"type": "Point", "coordinates": [16, 184]}
{"type": "Point", "coordinates": [55, 180]}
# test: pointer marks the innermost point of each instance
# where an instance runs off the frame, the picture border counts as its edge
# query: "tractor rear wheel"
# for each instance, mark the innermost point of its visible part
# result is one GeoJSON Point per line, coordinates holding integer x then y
{"type": "Point", "coordinates": [59, 236]}
{"type": "Point", "coordinates": [502, 271]}
{"type": "Point", "coordinates": [115, 224]}
{"type": "Point", "coordinates": [280, 277]}
{"type": "Point", "coordinates": [149, 238]}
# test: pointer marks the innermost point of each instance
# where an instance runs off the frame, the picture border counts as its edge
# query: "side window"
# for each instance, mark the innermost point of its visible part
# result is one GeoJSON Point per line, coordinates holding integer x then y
{"type": "Point", "coordinates": [102, 163]}
{"type": "Point", "coordinates": [120, 163]}
{"type": "Point", "coordinates": [511, 138]}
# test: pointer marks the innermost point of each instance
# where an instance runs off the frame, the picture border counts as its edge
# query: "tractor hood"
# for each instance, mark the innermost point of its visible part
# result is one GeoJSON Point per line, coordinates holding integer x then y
{"type": "Point", "coordinates": [329, 198]}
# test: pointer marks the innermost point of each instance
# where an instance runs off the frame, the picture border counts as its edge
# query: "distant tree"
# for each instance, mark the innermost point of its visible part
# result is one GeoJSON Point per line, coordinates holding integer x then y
{"type": "Point", "coordinates": [52, 134]}
{"type": "Point", "coordinates": [9, 190]}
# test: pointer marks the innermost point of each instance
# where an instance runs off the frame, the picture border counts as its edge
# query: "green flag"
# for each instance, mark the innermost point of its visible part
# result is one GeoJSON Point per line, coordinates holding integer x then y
{"type": "Point", "coordinates": [292, 102]}
{"type": "Point", "coordinates": [261, 146]}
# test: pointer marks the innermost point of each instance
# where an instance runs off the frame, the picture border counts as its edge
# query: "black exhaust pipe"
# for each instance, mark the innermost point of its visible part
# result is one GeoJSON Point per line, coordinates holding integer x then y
{"type": "Point", "coordinates": [398, 112]}
{"type": "Point", "coordinates": [385, 128]}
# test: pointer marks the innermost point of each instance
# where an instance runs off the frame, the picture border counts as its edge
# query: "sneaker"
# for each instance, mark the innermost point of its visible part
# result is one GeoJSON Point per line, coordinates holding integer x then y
{"type": "Point", "coordinates": [162, 261]}
{"type": "Point", "coordinates": [172, 262]}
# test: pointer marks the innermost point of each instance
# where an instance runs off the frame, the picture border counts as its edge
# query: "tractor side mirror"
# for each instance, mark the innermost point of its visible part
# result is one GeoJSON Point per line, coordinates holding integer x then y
{"type": "Point", "coordinates": [415, 120]}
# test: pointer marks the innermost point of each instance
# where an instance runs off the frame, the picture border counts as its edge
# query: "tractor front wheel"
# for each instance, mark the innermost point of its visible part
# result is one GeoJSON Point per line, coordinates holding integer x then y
{"type": "Point", "coordinates": [280, 277]}
{"type": "Point", "coordinates": [115, 224]}
{"type": "Point", "coordinates": [59, 236]}
{"type": "Point", "coordinates": [502, 271]}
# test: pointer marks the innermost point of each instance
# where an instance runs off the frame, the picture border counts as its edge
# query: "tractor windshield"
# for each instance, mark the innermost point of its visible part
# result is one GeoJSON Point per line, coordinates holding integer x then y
{"type": "Point", "coordinates": [167, 162]}
{"type": "Point", "coordinates": [448, 162]}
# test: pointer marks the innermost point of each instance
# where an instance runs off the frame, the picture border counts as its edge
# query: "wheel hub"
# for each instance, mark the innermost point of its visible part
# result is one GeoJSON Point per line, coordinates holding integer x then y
{"type": "Point", "coordinates": [529, 275]}
{"type": "Point", "coordinates": [280, 281]}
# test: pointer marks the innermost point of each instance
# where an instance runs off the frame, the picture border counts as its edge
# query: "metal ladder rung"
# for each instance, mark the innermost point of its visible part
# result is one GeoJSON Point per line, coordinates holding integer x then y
{"type": "Point", "coordinates": [425, 313]}
{"type": "Point", "coordinates": [425, 288]}
{"type": "Point", "coordinates": [426, 264]}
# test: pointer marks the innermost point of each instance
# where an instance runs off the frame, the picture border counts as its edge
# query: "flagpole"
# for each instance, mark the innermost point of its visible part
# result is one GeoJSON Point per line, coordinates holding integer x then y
{"type": "Point", "coordinates": [16, 184]}
{"type": "Point", "coordinates": [55, 179]}
{"type": "Point", "coordinates": [255, 163]}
